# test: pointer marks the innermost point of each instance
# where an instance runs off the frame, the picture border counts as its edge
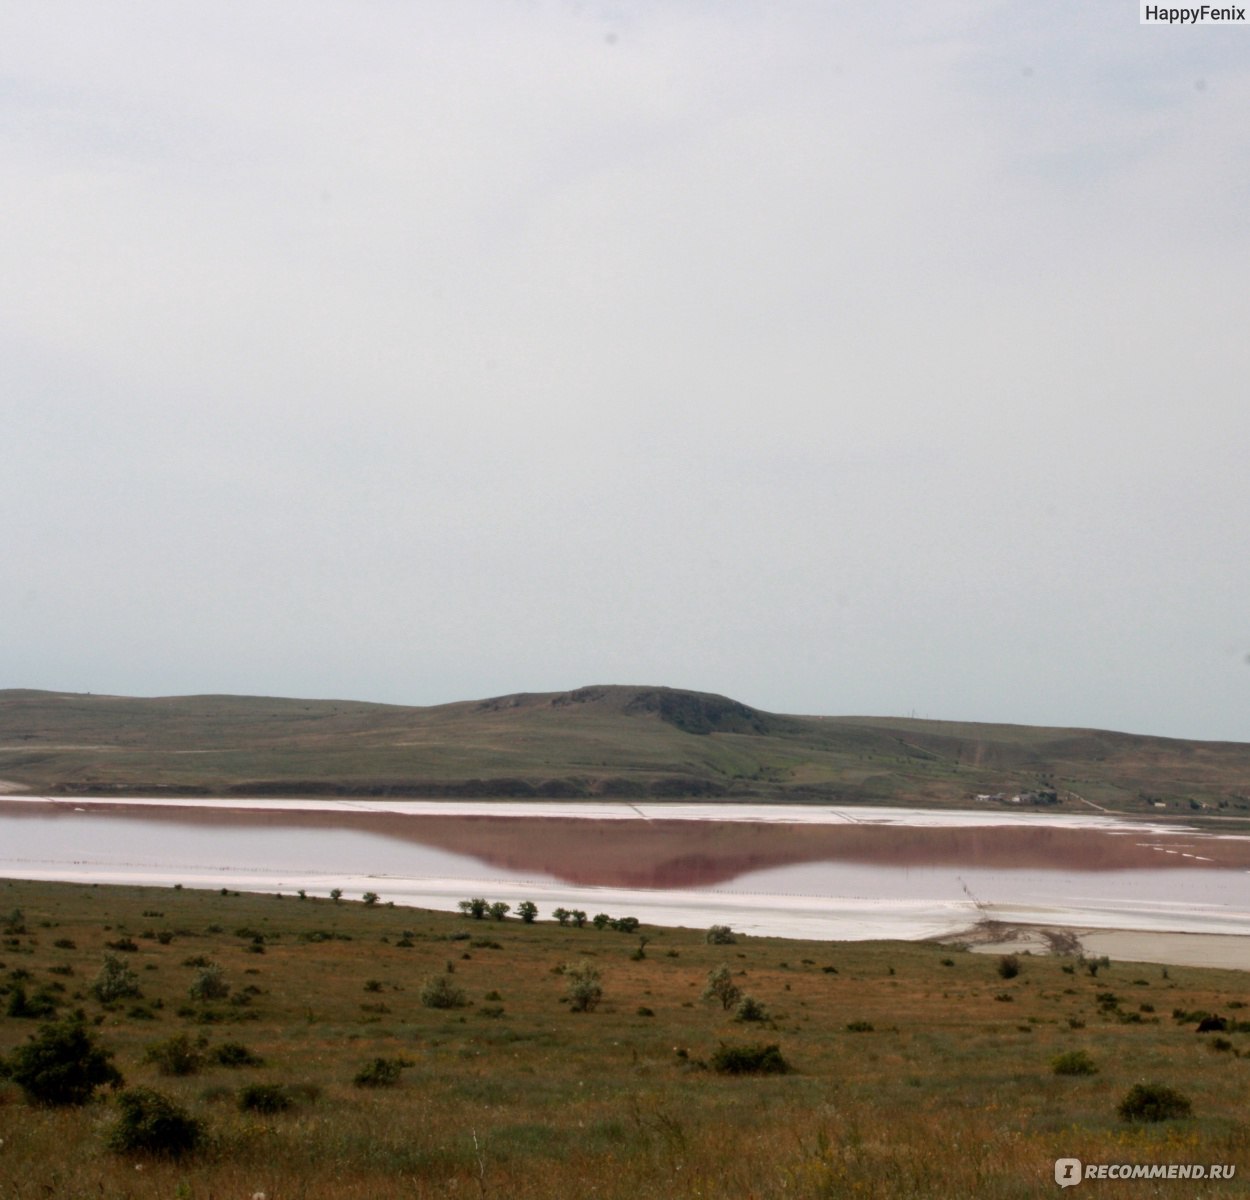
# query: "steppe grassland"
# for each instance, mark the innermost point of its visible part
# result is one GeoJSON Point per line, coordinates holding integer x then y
{"type": "Point", "coordinates": [950, 1092]}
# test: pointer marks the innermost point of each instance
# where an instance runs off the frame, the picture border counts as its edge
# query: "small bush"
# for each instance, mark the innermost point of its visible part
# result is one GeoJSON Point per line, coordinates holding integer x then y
{"type": "Point", "coordinates": [37, 1006]}
{"type": "Point", "coordinates": [235, 1054]}
{"type": "Point", "coordinates": [61, 1066]}
{"type": "Point", "coordinates": [584, 987]}
{"type": "Point", "coordinates": [1073, 1062]}
{"type": "Point", "coordinates": [438, 991]}
{"type": "Point", "coordinates": [151, 1123]}
{"type": "Point", "coordinates": [1153, 1102]}
{"type": "Point", "coordinates": [755, 1059]}
{"type": "Point", "coordinates": [527, 910]}
{"type": "Point", "coordinates": [750, 1009]}
{"type": "Point", "coordinates": [177, 1055]}
{"type": "Point", "coordinates": [265, 1098]}
{"type": "Point", "coordinates": [380, 1072]}
{"type": "Point", "coordinates": [209, 984]}
{"type": "Point", "coordinates": [721, 935]}
{"type": "Point", "coordinates": [116, 981]}
{"type": "Point", "coordinates": [859, 1027]}
{"type": "Point", "coordinates": [1008, 966]}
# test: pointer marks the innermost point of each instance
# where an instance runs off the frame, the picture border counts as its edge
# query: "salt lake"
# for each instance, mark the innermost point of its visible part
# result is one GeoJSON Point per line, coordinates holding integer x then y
{"type": "Point", "coordinates": [797, 871]}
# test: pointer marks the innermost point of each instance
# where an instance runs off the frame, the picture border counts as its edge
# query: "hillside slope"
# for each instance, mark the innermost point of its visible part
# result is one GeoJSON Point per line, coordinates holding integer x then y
{"type": "Point", "coordinates": [609, 741]}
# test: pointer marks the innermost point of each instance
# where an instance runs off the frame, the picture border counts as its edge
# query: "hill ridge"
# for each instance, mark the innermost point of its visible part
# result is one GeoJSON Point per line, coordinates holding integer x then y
{"type": "Point", "coordinates": [599, 740]}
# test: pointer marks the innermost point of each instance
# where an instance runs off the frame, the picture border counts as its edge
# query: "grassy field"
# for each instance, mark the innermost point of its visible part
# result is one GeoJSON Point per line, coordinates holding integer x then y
{"type": "Point", "coordinates": [918, 1070]}
{"type": "Point", "coordinates": [622, 742]}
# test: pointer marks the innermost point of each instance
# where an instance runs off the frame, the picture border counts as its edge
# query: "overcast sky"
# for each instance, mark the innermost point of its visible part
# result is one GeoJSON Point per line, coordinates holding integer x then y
{"type": "Point", "coordinates": [841, 358]}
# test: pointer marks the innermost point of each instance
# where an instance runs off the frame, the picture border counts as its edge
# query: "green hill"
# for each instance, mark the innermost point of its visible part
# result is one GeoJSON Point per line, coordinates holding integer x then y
{"type": "Point", "coordinates": [610, 742]}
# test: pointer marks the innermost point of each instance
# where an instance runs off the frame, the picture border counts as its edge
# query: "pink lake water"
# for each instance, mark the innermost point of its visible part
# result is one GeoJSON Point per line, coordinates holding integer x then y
{"type": "Point", "coordinates": [793, 871]}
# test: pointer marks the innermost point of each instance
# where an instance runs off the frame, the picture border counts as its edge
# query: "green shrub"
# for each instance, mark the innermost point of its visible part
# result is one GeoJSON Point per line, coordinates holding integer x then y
{"type": "Point", "coordinates": [1008, 966]}
{"type": "Point", "coordinates": [859, 1027]}
{"type": "Point", "coordinates": [750, 1009]}
{"type": "Point", "coordinates": [1073, 1062]}
{"type": "Point", "coordinates": [721, 988]}
{"type": "Point", "coordinates": [235, 1054]}
{"type": "Point", "coordinates": [265, 1098]}
{"type": "Point", "coordinates": [116, 981]}
{"type": "Point", "coordinates": [584, 987]}
{"type": "Point", "coordinates": [177, 1055]}
{"type": "Point", "coordinates": [151, 1123]}
{"type": "Point", "coordinates": [61, 1066]}
{"type": "Point", "coordinates": [438, 991]}
{"type": "Point", "coordinates": [209, 984]}
{"type": "Point", "coordinates": [527, 910]}
{"type": "Point", "coordinates": [721, 935]}
{"type": "Point", "coordinates": [40, 1005]}
{"type": "Point", "coordinates": [754, 1059]}
{"type": "Point", "coordinates": [1153, 1102]}
{"type": "Point", "coordinates": [380, 1072]}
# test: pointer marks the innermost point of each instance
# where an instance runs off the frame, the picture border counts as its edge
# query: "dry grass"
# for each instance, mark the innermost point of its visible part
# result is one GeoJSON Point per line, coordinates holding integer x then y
{"type": "Point", "coordinates": [950, 1094]}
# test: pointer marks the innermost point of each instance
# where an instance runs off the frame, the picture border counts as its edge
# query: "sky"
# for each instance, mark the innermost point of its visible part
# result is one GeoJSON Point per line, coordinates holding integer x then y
{"type": "Point", "coordinates": [839, 358]}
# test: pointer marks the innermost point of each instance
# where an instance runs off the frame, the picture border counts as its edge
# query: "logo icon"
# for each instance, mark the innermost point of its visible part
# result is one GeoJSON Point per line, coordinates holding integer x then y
{"type": "Point", "coordinates": [1067, 1172]}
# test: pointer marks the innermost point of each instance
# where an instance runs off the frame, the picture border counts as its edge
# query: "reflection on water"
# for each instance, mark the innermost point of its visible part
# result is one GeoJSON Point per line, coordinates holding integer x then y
{"type": "Point", "coordinates": [661, 865]}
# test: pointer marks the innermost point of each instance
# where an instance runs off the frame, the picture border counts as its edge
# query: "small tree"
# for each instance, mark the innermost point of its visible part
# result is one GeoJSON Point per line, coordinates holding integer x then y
{"type": "Point", "coordinates": [527, 910]}
{"type": "Point", "coordinates": [601, 920]}
{"type": "Point", "coordinates": [721, 987]}
{"type": "Point", "coordinates": [336, 894]}
{"type": "Point", "coordinates": [721, 935]}
{"type": "Point", "coordinates": [579, 918]}
{"type": "Point", "coordinates": [61, 1066]}
{"type": "Point", "coordinates": [209, 984]}
{"type": "Point", "coordinates": [1008, 966]}
{"type": "Point", "coordinates": [371, 898]}
{"type": "Point", "coordinates": [116, 981]}
{"type": "Point", "coordinates": [584, 987]}
{"type": "Point", "coordinates": [500, 909]}
{"type": "Point", "coordinates": [562, 915]}
{"type": "Point", "coordinates": [476, 908]}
